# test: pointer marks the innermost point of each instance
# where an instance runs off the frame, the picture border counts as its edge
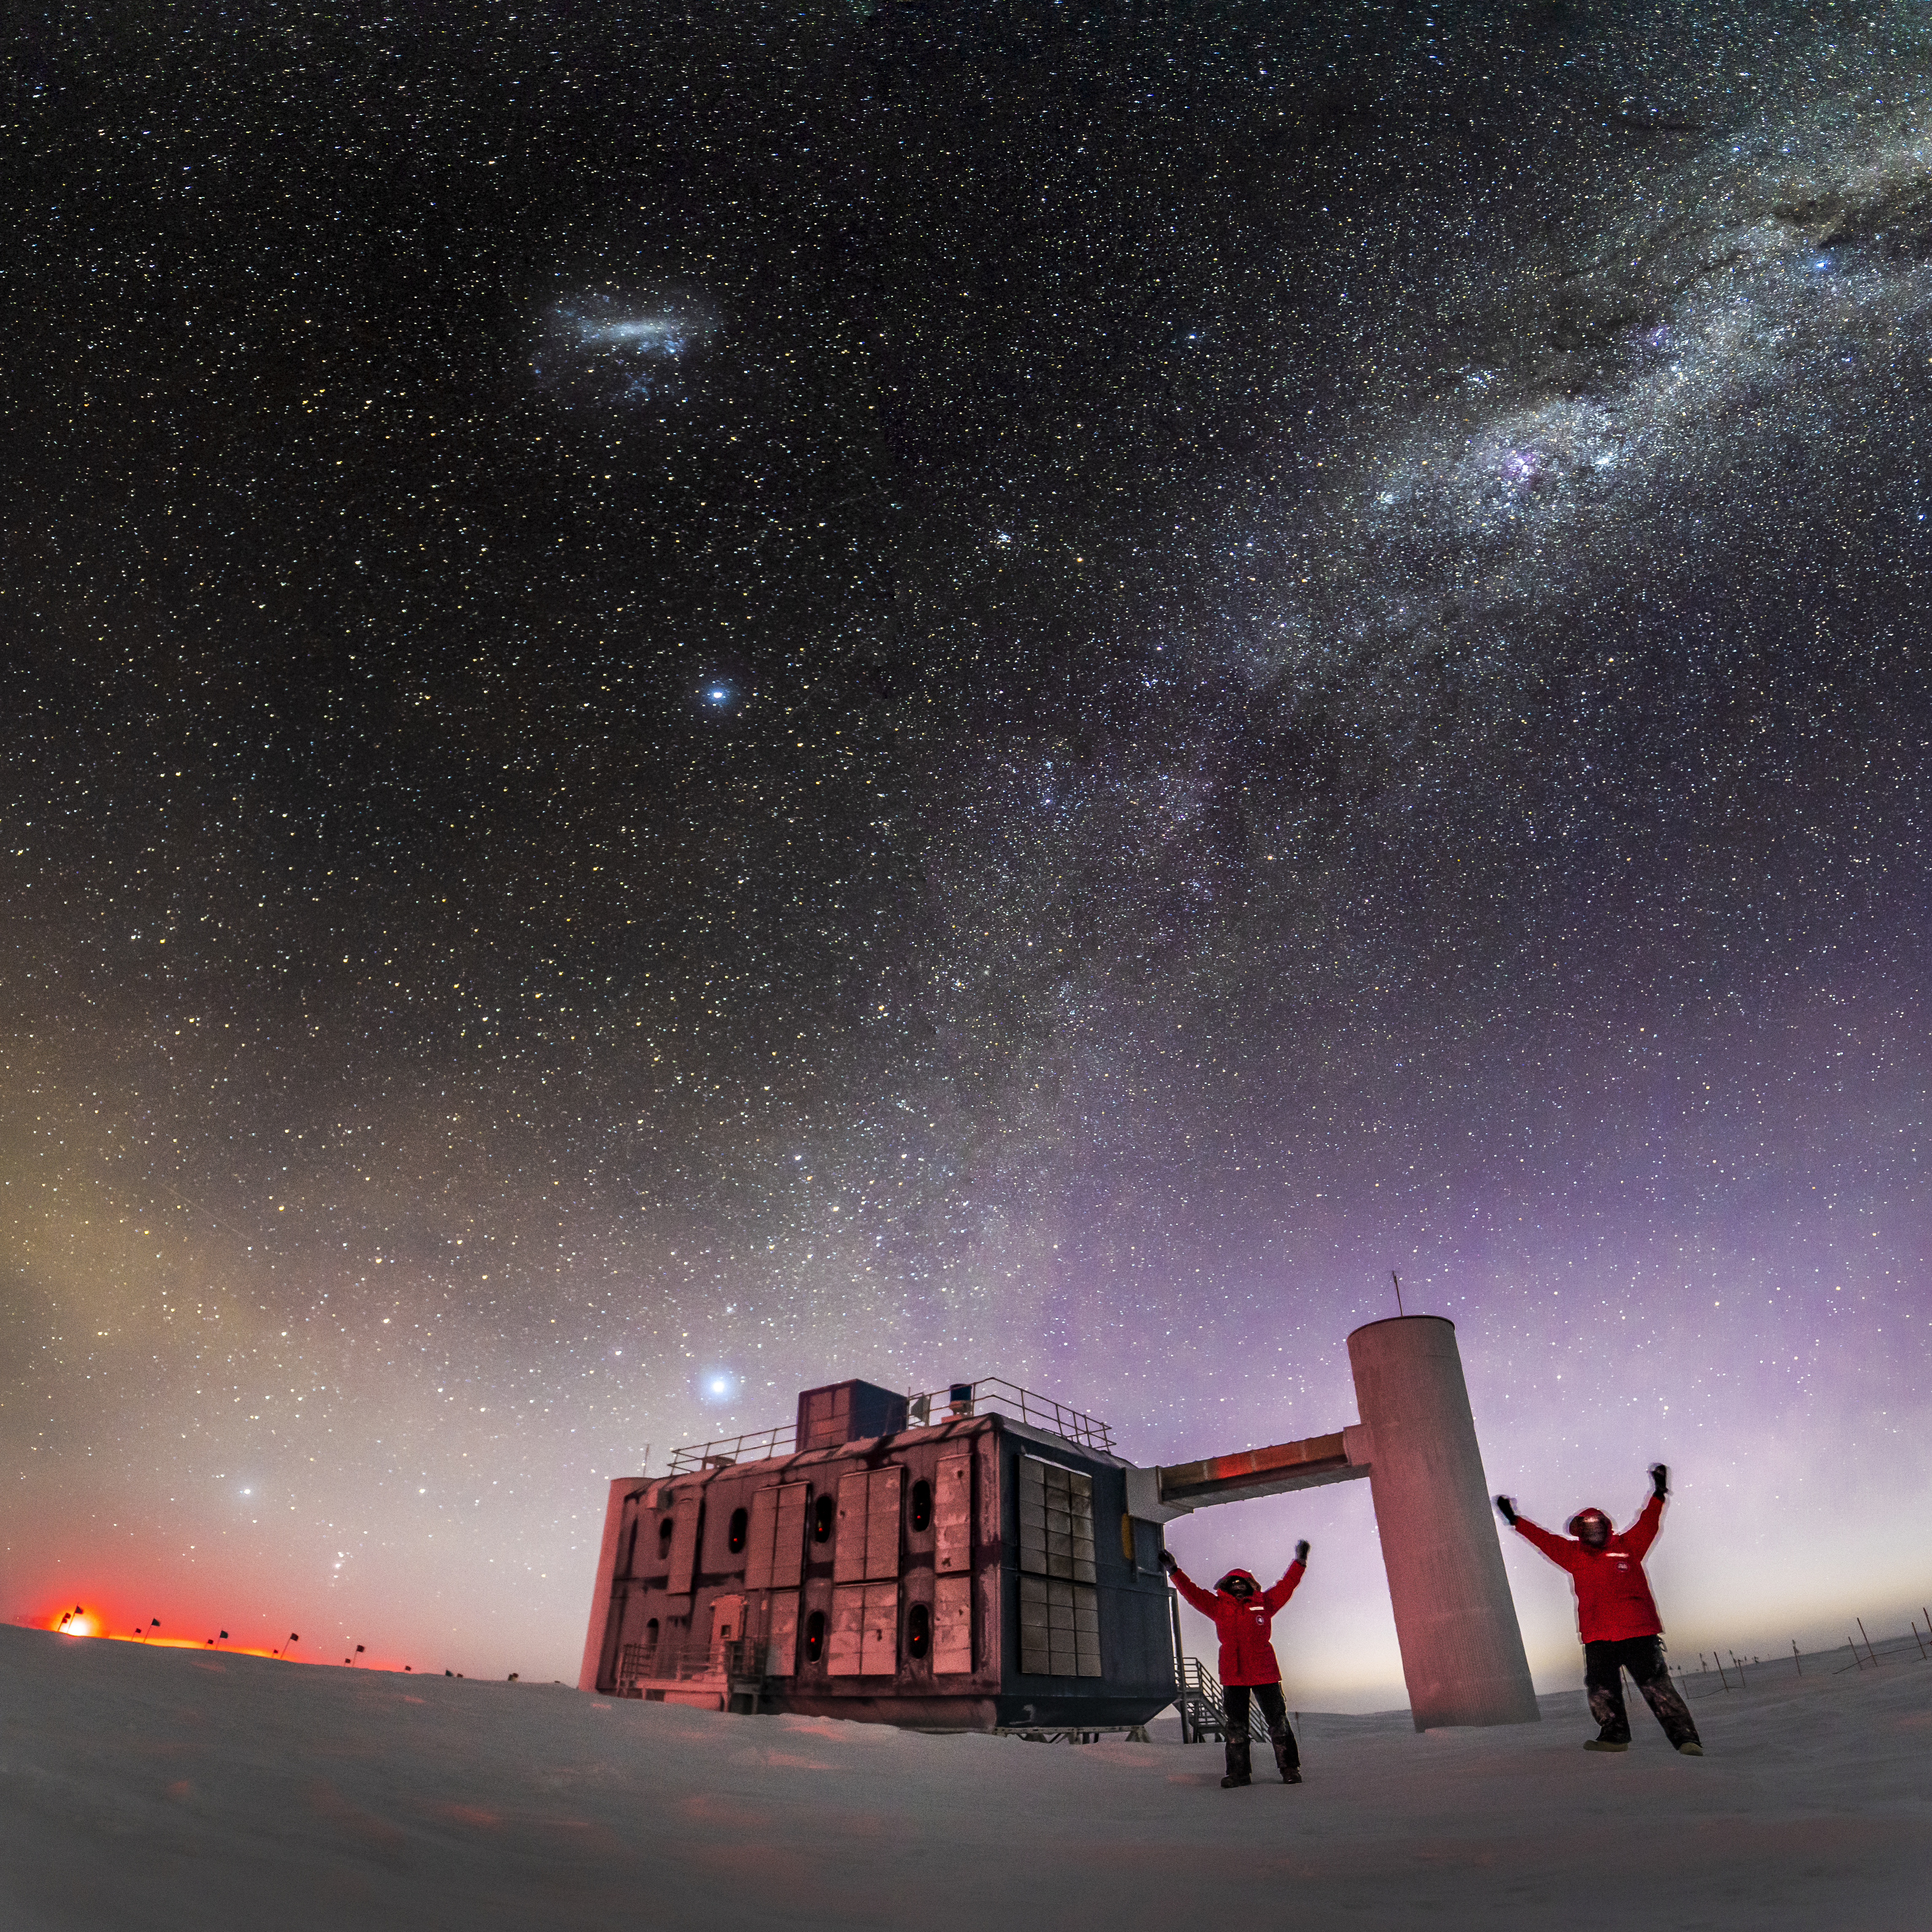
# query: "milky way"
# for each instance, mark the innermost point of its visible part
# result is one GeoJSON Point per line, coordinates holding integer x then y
{"type": "Point", "coordinates": [697, 704]}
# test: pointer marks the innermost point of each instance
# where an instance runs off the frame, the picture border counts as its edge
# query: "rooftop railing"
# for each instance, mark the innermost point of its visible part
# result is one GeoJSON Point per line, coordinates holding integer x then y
{"type": "Point", "coordinates": [1037, 1412]}
{"type": "Point", "coordinates": [756, 1447]}
{"type": "Point", "coordinates": [991, 1394]}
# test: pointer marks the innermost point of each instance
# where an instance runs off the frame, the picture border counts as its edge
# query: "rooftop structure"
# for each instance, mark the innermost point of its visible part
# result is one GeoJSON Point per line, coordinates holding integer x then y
{"type": "Point", "coordinates": [833, 1421]}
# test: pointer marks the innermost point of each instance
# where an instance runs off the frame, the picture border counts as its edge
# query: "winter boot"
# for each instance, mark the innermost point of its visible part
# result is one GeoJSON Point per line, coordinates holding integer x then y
{"type": "Point", "coordinates": [1287, 1757]}
{"type": "Point", "coordinates": [1690, 1747]}
{"type": "Point", "coordinates": [1238, 1768]}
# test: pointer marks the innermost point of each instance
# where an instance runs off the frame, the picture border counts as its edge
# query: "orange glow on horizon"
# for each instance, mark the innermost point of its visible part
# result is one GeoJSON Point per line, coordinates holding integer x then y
{"type": "Point", "coordinates": [88, 1624]}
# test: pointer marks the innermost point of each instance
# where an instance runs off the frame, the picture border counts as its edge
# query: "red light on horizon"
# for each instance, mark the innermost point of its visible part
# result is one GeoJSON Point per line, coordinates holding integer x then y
{"type": "Point", "coordinates": [91, 1624]}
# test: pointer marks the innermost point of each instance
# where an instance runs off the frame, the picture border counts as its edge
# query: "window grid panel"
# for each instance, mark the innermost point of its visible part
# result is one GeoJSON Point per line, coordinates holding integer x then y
{"type": "Point", "coordinates": [1059, 1628]}
{"type": "Point", "coordinates": [1056, 1521]}
{"type": "Point", "coordinates": [1035, 1661]}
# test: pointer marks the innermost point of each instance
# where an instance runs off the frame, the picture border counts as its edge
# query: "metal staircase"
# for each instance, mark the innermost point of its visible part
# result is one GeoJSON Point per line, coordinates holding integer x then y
{"type": "Point", "coordinates": [734, 1668]}
{"type": "Point", "coordinates": [1204, 1712]}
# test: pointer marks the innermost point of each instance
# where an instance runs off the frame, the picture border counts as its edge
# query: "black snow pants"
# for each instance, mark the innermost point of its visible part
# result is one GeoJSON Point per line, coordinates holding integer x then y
{"type": "Point", "coordinates": [1274, 1714]}
{"type": "Point", "coordinates": [1643, 1657]}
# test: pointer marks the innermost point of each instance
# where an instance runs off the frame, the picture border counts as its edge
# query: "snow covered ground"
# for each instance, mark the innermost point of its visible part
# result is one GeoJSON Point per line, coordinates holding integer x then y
{"type": "Point", "coordinates": [163, 1789]}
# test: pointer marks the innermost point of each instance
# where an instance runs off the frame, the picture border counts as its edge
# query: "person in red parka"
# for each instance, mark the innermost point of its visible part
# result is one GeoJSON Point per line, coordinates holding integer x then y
{"type": "Point", "coordinates": [1243, 1615]}
{"type": "Point", "coordinates": [1616, 1616]}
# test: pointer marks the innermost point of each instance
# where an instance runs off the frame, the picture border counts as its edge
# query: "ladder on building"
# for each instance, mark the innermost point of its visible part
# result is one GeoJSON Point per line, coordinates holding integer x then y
{"type": "Point", "coordinates": [1204, 1711]}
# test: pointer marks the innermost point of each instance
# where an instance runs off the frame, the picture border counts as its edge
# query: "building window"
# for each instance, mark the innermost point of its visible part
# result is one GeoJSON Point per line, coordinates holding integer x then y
{"type": "Point", "coordinates": [922, 1507]}
{"type": "Point", "coordinates": [664, 1537]}
{"type": "Point", "coordinates": [741, 1521]}
{"type": "Point", "coordinates": [824, 1514]}
{"type": "Point", "coordinates": [1059, 1628]}
{"type": "Point", "coordinates": [1060, 1617]}
{"type": "Point", "coordinates": [815, 1636]}
{"type": "Point", "coordinates": [919, 1631]}
{"type": "Point", "coordinates": [1056, 1526]}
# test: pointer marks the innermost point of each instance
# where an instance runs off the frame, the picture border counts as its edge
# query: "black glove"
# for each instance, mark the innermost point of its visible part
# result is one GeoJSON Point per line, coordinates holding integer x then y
{"type": "Point", "coordinates": [1166, 1560]}
{"type": "Point", "coordinates": [1660, 1479]}
{"type": "Point", "coordinates": [1507, 1509]}
{"type": "Point", "coordinates": [1301, 1552]}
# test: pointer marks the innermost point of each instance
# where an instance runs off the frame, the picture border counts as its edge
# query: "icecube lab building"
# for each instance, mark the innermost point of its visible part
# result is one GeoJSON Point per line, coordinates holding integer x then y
{"type": "Point", "coordinates": [981, 1557]}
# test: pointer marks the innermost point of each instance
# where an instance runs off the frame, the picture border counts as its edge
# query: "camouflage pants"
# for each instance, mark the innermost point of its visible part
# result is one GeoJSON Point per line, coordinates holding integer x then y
{"type": "Point", "coordinates": [1603, 1666]}
{"type": "Point", "coordinates": [1273, 1707]}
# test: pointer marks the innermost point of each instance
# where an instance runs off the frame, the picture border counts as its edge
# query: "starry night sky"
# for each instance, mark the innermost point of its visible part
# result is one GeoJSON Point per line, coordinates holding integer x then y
{"type": "Point", "coordinates": [697, 699]}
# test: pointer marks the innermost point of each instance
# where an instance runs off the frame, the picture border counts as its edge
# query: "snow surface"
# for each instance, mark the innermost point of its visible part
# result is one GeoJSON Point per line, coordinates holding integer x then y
{"type": "Point", "coordinates": [158, 1789]}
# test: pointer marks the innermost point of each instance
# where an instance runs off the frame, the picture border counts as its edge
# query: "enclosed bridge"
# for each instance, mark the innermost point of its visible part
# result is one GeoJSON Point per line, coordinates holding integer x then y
{"type": "Point", "coordinates": [981, 1557]}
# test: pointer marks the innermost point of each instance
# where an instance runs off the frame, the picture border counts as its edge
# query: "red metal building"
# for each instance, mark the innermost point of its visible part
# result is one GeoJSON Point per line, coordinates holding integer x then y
{"type": "Point", "coordinates": [965, 1570]}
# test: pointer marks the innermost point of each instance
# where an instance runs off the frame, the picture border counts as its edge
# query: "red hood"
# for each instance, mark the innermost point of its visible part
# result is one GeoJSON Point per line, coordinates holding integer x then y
{"type": "Point", "coordinates": [1590, 1509]}
{"type": "Point", "coordinates": [1253, 1584]}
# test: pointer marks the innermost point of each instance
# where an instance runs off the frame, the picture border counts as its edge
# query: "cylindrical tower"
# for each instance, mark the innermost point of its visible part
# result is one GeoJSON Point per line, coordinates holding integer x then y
{"type": "Point", "coordinates": [1461, 1651]}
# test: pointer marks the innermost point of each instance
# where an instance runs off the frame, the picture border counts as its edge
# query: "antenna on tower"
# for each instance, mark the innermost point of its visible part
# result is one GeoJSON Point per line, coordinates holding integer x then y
{"type": "Point", "coordinates": [1397, 1279]}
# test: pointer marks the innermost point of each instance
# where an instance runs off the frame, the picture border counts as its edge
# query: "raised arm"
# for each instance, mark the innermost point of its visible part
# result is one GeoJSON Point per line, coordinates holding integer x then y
{"type": "Point", "coordinates": [1203, 1600]}
{"type": "Point", "coordinates": [1557, 1549]}
{"type": "Point", "coordinates": [1277, 1594]}
{"type": "Point", "coordinates": [1643, 1533]}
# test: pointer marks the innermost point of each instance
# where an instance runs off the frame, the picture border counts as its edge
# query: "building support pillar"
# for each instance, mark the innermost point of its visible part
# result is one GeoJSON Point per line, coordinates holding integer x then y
{"type": "Point", "coordinates": [1462, 1649]}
